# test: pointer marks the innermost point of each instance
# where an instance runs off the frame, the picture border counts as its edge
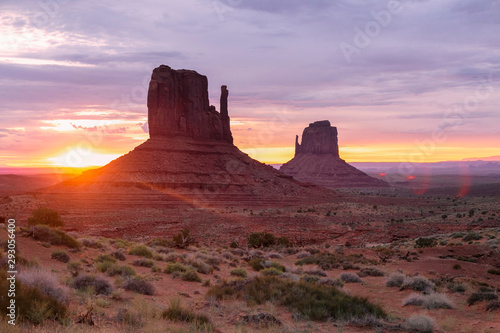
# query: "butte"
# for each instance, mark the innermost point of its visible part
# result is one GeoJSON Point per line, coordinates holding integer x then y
{"type": "Point", "coordinates": [317, 161]}
{"type": "Point", "coordinates": [190, 157]}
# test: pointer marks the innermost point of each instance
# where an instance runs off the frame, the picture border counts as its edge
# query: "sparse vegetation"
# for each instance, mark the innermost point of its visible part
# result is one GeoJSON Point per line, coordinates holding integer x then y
{"type": "Point", "coordinates": [175, 312]}
{"type": "Point", "coordinates": [420, 324]}
{"type": "Point", "coordinates": [139, 285]}
{"type": "Point", "coordinates": [144, 262]}
{"type": "Point", "coordinates": [261, 239]}
{"type": "Point", "coordinates": [395, 280]}
{"type": "Point", "coordinates": [425, 242]}
{"type": "Point", "coordinates": [311, 301]}
{"type": "Point", "coordinates": [191, 276]}
{"type": "Point", "coordinates": [370, 271]}
{"type": "Point", "coordinates": [141, 251]}
{"type": "Point", "coordinates": [45, 216]}
{"type": "Point", "coordinates": [327, 261]}
{"type": "Point", "coordinates": [53, 236]}
{"type": "Point", "coordinates": [60, 255]}
{"type": "Point", "coordinates": [494, 271]}
{"type": "Point", "coordinates": [481, 296]}
{"type": "Point", "coordinates": [182, 239]}
{"type": "Point", "coordinates": [100, 286]}
{"type": "Point", "coordinates": [350, 278]}
{"type": "Point", "coordinates": [240, 272]}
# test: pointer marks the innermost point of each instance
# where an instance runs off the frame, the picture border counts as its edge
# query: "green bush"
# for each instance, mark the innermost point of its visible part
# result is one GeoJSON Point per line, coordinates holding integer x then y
{"type": "Point", "coordinates": [53, 236]}
{"type": "Point", "coordinates": [144, 262]}
{"type": "Point", "coordinates": [425, 242]}
{"type": "Point", "coordinates": [472, 236]}
{"type": "Point", "coordinates": [176, 267]}
{"type": "Point", "coordinates": [271, 271]}
{"type": "Point", "coordinates": [311, 301]}
{"type": "Point", "coordinates": [241, 272]}
{"type": "Point", "coordinates": [182, 239]}
{"type": "Point", "coordinates": [60, 256]}
{"type": "Point", "coordinates": [261, 239]}
{"type": "Point", "coordinates": [481, 296]}
{"type": "Point", "coordinates": [100, 286]}
{"type": "Point", "coordinates": [45, 216]}
{"type": "Point", "coordinates": [191, 276]}
{"type": "Point", "coordinates": [175, 312]}
{"type": "Point", "coordinates": [328, 261]}
{"type": "Point", "coordinates": [141, 251]}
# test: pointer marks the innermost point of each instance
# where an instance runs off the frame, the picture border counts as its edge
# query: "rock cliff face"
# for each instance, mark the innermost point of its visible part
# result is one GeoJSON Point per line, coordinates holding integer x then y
{"type": "Point", "coordinates": [317, 161]}
{"type": "Point", "coordinates": [178, 106]}
{"type": "Point", "coordinates": [319, 138]}
{"type": "Point", "coordinates": [190, 154]}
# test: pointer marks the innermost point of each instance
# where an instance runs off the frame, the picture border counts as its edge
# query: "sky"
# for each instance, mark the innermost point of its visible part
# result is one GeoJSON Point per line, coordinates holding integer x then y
{"type": "Point", "coordinates": [403, 81]}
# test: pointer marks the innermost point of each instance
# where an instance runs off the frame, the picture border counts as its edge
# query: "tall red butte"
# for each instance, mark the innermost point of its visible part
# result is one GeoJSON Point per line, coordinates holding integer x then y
{"type": "Point", "coordinates": [190, 154]}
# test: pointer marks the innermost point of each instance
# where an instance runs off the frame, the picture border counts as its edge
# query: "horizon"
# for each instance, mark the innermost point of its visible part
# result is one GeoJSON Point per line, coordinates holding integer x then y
{"type": "Point", "coordinates": [411, 82]}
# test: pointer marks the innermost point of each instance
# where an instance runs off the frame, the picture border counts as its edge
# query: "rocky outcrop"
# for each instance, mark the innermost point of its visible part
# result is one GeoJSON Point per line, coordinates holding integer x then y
{"type": "Point", "coordinates": [319, 138]}
{"type": "Point", "coordinates": [178, 105]}
{"type": "Point", "coordinates": [317, 161]}
{"type": "Point", "coordinates": [190, 154]}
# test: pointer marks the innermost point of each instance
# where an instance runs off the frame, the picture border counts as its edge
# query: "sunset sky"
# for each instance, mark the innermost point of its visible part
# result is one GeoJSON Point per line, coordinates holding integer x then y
{"type": "Point", "coordinates": [411, 81]}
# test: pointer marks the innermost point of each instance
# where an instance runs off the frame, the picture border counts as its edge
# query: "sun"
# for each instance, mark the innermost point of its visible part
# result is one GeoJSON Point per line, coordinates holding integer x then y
{"type": "Point", "coordinates": [79, 158]}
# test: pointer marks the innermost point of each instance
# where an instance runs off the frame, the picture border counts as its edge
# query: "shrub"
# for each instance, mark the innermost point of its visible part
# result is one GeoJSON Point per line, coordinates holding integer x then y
{"type": "Point", "coordinates": [425, 242]}
{"type": "Point", "coordinates": [257, 263]}
{"type": "Point", "coordinates": [481, 296]}
{"type": "Point", "coordinates": [92, 243]}
{"type": "Point", "coordinates": [100, 286]}
{"type": "Point", "coordinates": [201, 266]}
{"type": "Point", "coordinates": [303, 254]}
{"type": "Point", "coordinates": [45, 216]}
{"type": "Point", "coordinates": [74, 267]}
{"type": "Point", "coordinates": [125, 317]}
{"type": "Point", "coordinates": [472, 236]}
{"type": "Point", "coordinates": [284, 241]}
{"type": "Point", "coordinates": [370, 271]}
{"type": "Point", "coordinates": [456, 287]}
{"type": "Point", "coordinates": [493, 306]}
{"type": "Point", "coordinates": [350, 278]}
{"type": "Point", "coordinates": [144, 262]}
{"type": "Point", "coordinates": [311, 301]}
{"type": "Point", "coordinates": [119, 255]}
{"type": "Point", "coordinates": [494, 271]}
{"type": "Point", "coordinates": [139, 285]}
{"type": "Point", "coordinates": [191, 276]}
{"type": "Point", "coordinates": [241, 272]}
{"type": "Point", "coordinates": [227, 255]}
{"type": "Point", "coordinates": [457, 266]}
{"type": "Point", "coordinates": [413, 299]}
{"type": "Point", "coordinates": [175, 312]}
{"type": "Point", "coordinates": [274, 255]}
{"type": "Point", "coordinates": [328, 261]}
{"type": "Point", "coordinates": [54, 237]}
{"type": "Point", "coordinates": [60, 256]}
{"type": "Point", "coordinates": [437, 301]}
{"type": "Point", "coordinates": [182, 239]}
{"type": "Point", "coordinates": [141, 251]}
{"type": "Point", "coordinates": [105, 258]}
{"type": "Point", "coordinates": [395, 280]}
{"type": "Point", "coordinates": [43, 280]}
{"type": "Point", "coordinates": [31, 303]}
{"type": "Point", "coordinates": [124, 271]}
{"type": "Point", "coordinates": [176, 267]}
{"type": "Point", "coordinates": [271, 271]}
{"type": "Point", "coordinates": [420, 324]}
{"type": "Point", "coordinates": [418, 283]}
{"type": "Point", "coordinates": [261, 239]}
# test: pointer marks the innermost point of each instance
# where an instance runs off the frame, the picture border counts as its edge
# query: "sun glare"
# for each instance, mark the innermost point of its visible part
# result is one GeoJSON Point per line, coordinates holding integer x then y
{"type": "Point", "coordinates": [77, 158]}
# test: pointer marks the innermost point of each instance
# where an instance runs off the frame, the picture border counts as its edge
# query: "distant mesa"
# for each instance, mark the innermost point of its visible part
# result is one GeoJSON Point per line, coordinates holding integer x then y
{"type": "Point", "coordinates": [317, 161]}
{"type": "Point", "coordinates": [190, 153]}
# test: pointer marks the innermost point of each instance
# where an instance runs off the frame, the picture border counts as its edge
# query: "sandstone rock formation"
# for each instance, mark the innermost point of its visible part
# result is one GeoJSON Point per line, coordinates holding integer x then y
{"type": "Point", "coordinates": [190, 154]}
{"type": "Point", "coordinates": [317, 161]}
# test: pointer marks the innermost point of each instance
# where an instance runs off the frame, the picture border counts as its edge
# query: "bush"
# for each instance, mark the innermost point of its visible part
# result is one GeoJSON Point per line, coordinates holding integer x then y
{"type": "Point", "coordinates": [43, 280]}
{"type": "Point", "coordinates": [32, 304]}
{"type": "Point", "coordinates": [493, 306]}
{"type": "Point", "coordinates": [45, 216]}
{"type": "Point", "coordinates": [91, 243]}
{"type": "Point", "coordinates": [271, 271]}
{"type": "Point", "coordinates": [370, 271]}
{"type": "Point", "coordinates": [241, 272]}
{"type": "Point", "coordinates": [328, 261]}
{"type": "Point", "coordinates": [418, 283]}
{"type": "Point", "coordinates": [420, 324]}
{"type": "Point", "coordinates": [176, 267]}
{"type": "Point", "coordinates": [175, 312]}
{"type": "Point", "coordinates": [472, 236]}
{"type": "Point", "coordinates": [303, 254]}
{"type": "Point", "coordinates": [141, 251]}
{"type": "Point", "coordinates": [261, 239]}
{"type": "Point", "coordinates": [119, 255]}
{"type": "Point", "coordinates": [311, 301]}
{"type": "Point", "coordinates": [144, 262]}
{"type": "Point", "coordinates": [494, 271]}
{"type": "Point", "coordinates": [105, 258]}
{"type": "Point", "coordinates": [54, 237]}
{"type": "Point", "coordinates": [60, 256]}
{"type": "Point", "coordinates": [425, 242]}
{"type": "Point", "coordinates": [481, 296]}
{"type": "Point", "coordinates": [124, 271]}
{"type": "Point", "coordinates": [437, 301]}
{"type": "Point", "coordinates": [456, 287]}
{"type": "Point", "coordinates": [139, 285]}
{"type": "Point", "coordinates": [100, 286]}
{"type": "Point", "coordinates": [350, 278]}
{"type": "Point", "coordinates": [182, 239]}
{"type": "Point", "coordinates": [74, 267]}
{"type": "Point", "coordinates": [413, 299]}
{"type": "Point", "coordinates": [457, 266]}
{"type": "Point", "coordinates": [395, 280]}
{"type": "Point", "coordinates": [284, 241]}
{"type": "Point", "coordinates": [190, 276]}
